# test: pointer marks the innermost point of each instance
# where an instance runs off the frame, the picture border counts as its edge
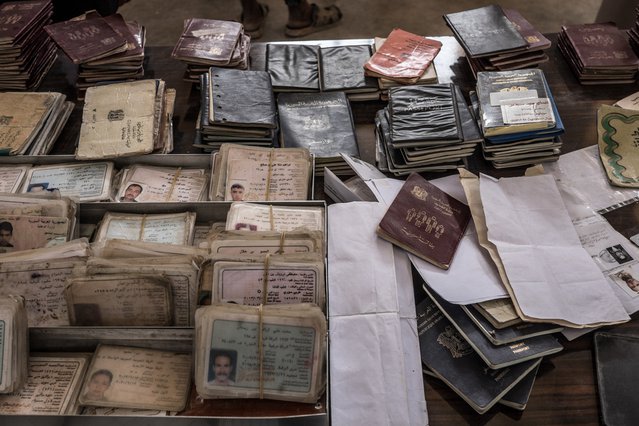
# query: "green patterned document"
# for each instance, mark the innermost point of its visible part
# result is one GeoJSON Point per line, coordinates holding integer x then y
{"type": "Point", "coordinates": [618, 131]}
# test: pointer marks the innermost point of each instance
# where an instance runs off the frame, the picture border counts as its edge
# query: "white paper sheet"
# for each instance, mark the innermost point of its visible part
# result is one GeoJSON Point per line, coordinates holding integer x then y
{"type": "Point", "coordinates": [375, 373]}
{"type": "Point", "coordinates": [552, 276]}
{"type": "Point", "coordinates": [472, 276]}
{"type": "Point", "coordinates": [581, 177]}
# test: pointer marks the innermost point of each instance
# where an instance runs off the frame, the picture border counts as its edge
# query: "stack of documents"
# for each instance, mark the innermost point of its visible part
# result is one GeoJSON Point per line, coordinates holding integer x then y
{"type": "Point", "coordinates": [206, 43]}
{"type": "Point", "coordinates": [32, 121]}
{"type": "Point", "coordinates": [237, 106]}
{"type": "Point", "coordinates": [26, 51]}
{"type": "Point", "coordinates": [107, 49]}
{"type": "Point", "coordinates": [518, 117]}
{"type": "Point", "coordinates": [425, 128]}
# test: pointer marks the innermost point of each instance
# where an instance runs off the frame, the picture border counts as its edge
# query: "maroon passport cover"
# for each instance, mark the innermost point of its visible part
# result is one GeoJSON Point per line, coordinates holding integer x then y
{"type": "Point", "coordinates": [425, 221]}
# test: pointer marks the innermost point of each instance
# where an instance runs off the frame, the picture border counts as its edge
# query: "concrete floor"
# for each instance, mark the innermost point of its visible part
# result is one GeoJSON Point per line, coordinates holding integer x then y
{"type": "Point", "coordinates": [362, 18]}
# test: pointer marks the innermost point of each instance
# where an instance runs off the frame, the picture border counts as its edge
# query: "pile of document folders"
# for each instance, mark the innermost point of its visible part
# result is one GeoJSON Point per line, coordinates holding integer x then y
{"type": "Point", "coordinates": [251, 283]}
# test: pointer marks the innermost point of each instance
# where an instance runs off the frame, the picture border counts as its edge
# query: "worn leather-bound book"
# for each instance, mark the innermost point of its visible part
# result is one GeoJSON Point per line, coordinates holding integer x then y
{"type": "Point", "coordinates": [293, 67]}
{"type": "Point", "coordinates": [86, 40]}
{"type": "Point", "coordinates": [241, 98]}
{"type": "Point", "coordinates": [485, 31]}
{"type": "Point", "coordinates": [321, 122]}
{"type": "Point", "coordinates": [445, 352]}
{"type": "Point", "coordinates": [119, 120]}
{"type": "Point", "coordinates": [341, 69]}
{"type": "Point", "coordinates": [208, 41]}
{"type": "Point", "coordinates": [616, 361]}
{"type": "Point", "coordinates": [403, 57]}
{"type": "Point", "coordinates": [425, 221]}
{"type": "Point", "coordinates": [601, 45]}
{"type": "Point", "coordinates": [423, 114]}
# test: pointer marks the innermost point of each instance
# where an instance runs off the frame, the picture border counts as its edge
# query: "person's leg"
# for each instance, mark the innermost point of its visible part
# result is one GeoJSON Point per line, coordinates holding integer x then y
{"type": "Point", "coordinates": [300, 13]}
{"type": "Point", "coordinates": [306, 18]}
{"type": "Point", "coordinates": [253, 16]}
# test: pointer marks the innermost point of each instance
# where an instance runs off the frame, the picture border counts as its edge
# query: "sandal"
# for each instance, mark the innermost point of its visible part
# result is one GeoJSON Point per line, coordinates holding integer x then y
{"type": "Point", "coordinates": [322, 18]}
{"type": "Point", "coordinates": [256, 32]}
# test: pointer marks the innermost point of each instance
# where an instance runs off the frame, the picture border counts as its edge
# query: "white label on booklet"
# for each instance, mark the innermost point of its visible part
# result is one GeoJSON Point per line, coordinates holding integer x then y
{"type": "Point", "coordinates": [522, 111]}
{"type": "Point", "coordinates": [498, 98]}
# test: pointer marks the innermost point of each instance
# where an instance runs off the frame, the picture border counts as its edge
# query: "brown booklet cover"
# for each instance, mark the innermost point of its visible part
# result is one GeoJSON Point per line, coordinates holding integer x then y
{"type": "Point", "coordinates": [601, 45]}
{"type": "Point", "coordinates": [86, 40]}
{"type": "Point", "coordinates": [403, 57]}
{"type": "Point", "coordinates": [425, 221]}
{"type": "Point", "coordinates": [208, 41]}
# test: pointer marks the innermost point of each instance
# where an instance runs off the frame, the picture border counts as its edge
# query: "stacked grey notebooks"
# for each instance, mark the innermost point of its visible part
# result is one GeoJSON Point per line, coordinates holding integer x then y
{"type": "Point", "coordinates": [482, 365]}
{"type": "Point", "coordinates": [237, 107]}
{"type": "Point", "coordinates": [425, 128]}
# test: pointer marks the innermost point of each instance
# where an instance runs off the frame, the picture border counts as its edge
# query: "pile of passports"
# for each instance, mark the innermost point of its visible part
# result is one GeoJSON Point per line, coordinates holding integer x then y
{"type": "Point", "coordinates": [32, 121]}
{"type": "Point", "coordinates": [497, 39]}
{"type": "Point", "coordinates": [425, 128]}
{"type": "Point", "coordinates": [321, 123]}
{"type": "Point", "coordinates": [482, 363]}
{"type": "Point", "coordinates": [206, 43]}
{"type": "Point", "coordinates": [599, 53]}
{"type": "Point", "coordinates": [106, 49]}
{"type": "Point", "coordinates": [236, 106]}
{"type": "Point", "coordinates": [14, 343]}
{"type": "Point", "coordinates": [26, 51]}
{"type": "Point", "coordinates": [518, 118]}
{"type": "Point", "coordinates": [315, 68]}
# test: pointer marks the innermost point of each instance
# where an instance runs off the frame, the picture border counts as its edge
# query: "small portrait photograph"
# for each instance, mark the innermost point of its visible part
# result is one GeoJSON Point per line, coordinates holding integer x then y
{"type": "Point", "coordinates": [628, 280]}
{"type": "Point", "coordinates": [96, 389]}
{"type": "Point", "coordinates": [236, 192]}
{"type": "Point", "coordinates": [6, 234]}
{"type": "Point", "coordinates": [131, 193]}
{"type": "Point", "coordinates": [222, 367]}
{"type": "Point", "coordinates": [616, 254]}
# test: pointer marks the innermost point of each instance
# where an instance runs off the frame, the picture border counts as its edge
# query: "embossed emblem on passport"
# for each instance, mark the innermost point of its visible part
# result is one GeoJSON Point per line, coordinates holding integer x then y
{"type": "Point", "coordinates": [454, 342]}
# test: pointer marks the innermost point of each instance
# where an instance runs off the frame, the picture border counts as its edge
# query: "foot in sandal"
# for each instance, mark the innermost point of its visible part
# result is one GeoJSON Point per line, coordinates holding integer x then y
{"type": "Point", "coordinates": [319, 19]}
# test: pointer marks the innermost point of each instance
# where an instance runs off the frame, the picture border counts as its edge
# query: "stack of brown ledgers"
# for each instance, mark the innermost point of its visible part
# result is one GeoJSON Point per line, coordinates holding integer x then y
{"type": "Point", "coordinates": [125, 119]}
{"type": "Point", "coordinates": [26, 51]}
{"type": "Point", "coordinates": [497, 39]}
{"type": "Point", "coordinates": [205, 43]}
{"type": "Point", "coordinates": [107, 49]}
{"type": "Point", "coordinates": [31, 122]}
{"type": "Point", "coordinates": [599, 53]}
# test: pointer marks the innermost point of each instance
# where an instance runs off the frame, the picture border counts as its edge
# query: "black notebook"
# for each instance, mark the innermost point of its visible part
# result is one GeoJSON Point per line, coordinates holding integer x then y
{"type": "Point", "coordinates": [342, 68]}
{"type": "Point", "coordinates": [617, 362]}
{"type": "Point", "coordinates": [423, 114]}
{"type": "Point", "coordinates": [241, 98]}
{"type": "Point", "coordinates": [445, 352]}
{"type": "Point", "coordinates": [293, 67]}
{"type": "Point", "coordinates": [495, 356]}
{"type": "Point", "coordinates": [485, 31]}
{"type": "Point", "coordinates": [320, 122]}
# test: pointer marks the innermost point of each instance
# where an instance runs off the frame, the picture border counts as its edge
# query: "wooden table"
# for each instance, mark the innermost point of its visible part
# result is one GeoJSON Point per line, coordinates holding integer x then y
{"type": "Point", "coordinates": [565, 390]}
